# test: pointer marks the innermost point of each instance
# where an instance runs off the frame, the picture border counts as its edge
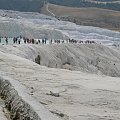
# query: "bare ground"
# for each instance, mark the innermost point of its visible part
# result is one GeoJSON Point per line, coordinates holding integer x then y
{"type": "Point", "coordinates": [86, 16]}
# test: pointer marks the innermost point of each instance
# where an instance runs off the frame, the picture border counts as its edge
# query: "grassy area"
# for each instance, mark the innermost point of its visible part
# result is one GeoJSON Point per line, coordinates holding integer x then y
{"type": "Point", "coordinates": [103, 18]}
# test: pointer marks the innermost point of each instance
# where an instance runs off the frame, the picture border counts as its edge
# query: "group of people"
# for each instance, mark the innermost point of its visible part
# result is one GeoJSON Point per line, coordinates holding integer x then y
{"type": "Point", "coordinates": [20, 39]}
{"type": "Point", "coordinates": [6, 40]}
{"type": "Point", "coordinates": [17, 40]}
{"type": "Point", "coordinates": [26, 40]}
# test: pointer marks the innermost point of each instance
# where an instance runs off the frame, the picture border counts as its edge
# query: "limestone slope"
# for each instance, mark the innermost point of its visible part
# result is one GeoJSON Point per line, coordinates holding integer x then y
{"type": "Point", "coordinates": [93, 58]}
{"type": "Point", "coordinates": [81, 95]}
{"type": "Point", "coordinates": [38, 26]}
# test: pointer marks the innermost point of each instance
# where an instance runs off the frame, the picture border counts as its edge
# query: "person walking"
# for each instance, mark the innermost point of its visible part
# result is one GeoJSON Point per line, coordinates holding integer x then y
{"type": "Point", "coordinates": [45, 41]}
{"type": "Point", "coordinates": [51, 41]}
{"type": "Point", "coordinates": [14, 39]}
{"type": "Point", "coordinates": [6, 40]}
{"type": "Point", "coordinates": [33, 41]}
{"type": "Point", "coordinates": [38, 41]}
{"type": "Point", "coordinates": [42, 41]}
{"type": "Point", "coordinates": [25, 40]}
{"type": "Point", "coordinates": [0, 39]}
{"type": "Point", "coordinates": [19, 40]}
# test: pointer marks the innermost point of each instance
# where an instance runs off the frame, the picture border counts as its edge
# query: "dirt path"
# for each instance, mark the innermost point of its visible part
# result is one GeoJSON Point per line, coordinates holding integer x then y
{"type": "Point", "coordinates": [47, 9]}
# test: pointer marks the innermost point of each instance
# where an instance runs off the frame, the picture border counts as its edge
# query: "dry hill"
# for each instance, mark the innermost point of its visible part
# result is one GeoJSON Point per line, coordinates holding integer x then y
{"type": "Point", "coordinates": [86, 16]}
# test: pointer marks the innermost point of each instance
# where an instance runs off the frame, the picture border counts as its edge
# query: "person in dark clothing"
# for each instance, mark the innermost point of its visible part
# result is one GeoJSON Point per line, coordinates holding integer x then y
{"type": "Point", "coordinates": [45, 41]}
{"type": "Point", "coordinates": [28, 40]}
{"type": "Point", "coordinates": [0, 39]}
{"type": "Point", "coordinates": [51, 41]}
{"type": "Point", "coordinates": [6, 40]}
{"type": "Point", "coordinates": [33, 41]}
{"type": "Point", "coordinates": [38, 41]}
{"type": "Point", "coordinates": [42, 41]}
{"type": "Point", "coordinates": [14, 39]}
{"type": "Point", "coordinates": [55, 41]}
{"type": "Point", "coordinates": [19, 40]}
{"type": "Point", "coordinates": [24, 40]}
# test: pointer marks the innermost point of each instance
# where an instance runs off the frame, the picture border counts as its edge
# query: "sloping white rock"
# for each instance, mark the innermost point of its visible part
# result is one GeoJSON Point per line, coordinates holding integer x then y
{"type": "Point", "coordinates": [93, 58]}
{"type": "Point", "coordinates": [82, 95]}
{"type": "Point", "coordinates": [35, 25]}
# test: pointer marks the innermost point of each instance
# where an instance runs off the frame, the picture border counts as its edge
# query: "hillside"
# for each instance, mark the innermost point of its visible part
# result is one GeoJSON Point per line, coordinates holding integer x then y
{"type": "Point", "coordinates": [82, 96]}
{"type": "Point", "coordinates": [106, 4]}
{"type": "Point", "coordinates": [92, 58]}
{"type": "Point", "coordinates": [38, 26]}
{"type": "Point", "coordinates": [87, 16]}
{"type": "Point", "coordinates": [77, 78]}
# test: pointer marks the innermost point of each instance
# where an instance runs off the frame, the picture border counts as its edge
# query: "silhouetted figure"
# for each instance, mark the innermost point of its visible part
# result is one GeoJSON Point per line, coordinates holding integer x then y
{"type": "Point", "coordinates": [24, 40]}
{"type": "Point", "coordinates": [45, 41]}
{"type": "Point", "coordinates": [81, 41]}
{"type": "Point", "coordinates": [55, 41]}
{"type": "Point", "coordinates": [27, 40]}
{"type": "Point", "coordinates": [6, 40]}
{"type": "Point", "coordinates": [63, 41]}
{"type": "Point", "coordinates": [93, 41]}
{"type": "Point", "coordinates": [38, 41]}
{"type": "Point", "coordinates": [59, 41]}
{"type": "Point", "coordinates": [51, 41]}
{"type": "Point", "coordinates": [33, 41]}
{"type": "Point", "coordinates": [42, 41]}
{"type": "Point", "coordinates": [14, 39]}
{"type": "Point", "coordinates": [19, 40]}
{"type": "Point", "coordinates": [69, 41]}
{"type": "Point", "coordinates": [20, 37]}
